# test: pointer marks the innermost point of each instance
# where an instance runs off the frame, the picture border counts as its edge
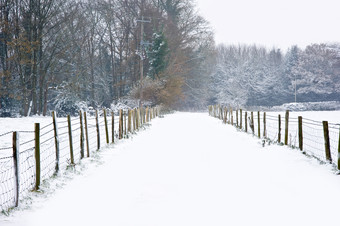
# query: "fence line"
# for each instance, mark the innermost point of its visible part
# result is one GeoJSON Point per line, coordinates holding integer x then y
{"type": "Point", "coordinates": [57, 146]}
{"type": "Point", "coordinates": [318, 139]}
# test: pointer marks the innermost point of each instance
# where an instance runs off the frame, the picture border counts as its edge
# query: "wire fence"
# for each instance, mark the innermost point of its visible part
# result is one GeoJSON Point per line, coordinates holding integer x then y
{"type": "Point", "coordinates": [318, 139]}
{"type": "Point", "coordinates": [46, 151]}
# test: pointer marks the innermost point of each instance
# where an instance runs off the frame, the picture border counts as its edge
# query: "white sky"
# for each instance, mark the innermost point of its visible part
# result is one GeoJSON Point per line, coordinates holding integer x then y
{"type": "Point", "coordinates": [273, 23]}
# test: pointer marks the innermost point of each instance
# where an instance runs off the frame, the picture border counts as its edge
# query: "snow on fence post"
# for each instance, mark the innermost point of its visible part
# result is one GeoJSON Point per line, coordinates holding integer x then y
{"type": "Point", "coordinates": [300, 133]}
{"type": "Point", "coordinates": [258, 125]}
{"type": "Point", "coordinates": [98, 131]}
{"type": "Point", "coordinates": [120, 124]}
{"type": "Point", "coordinates": [279, 129]}
{"type": "Point", "coordinates": [327, 144]}
{"type": "Point", "coordinates": [264, 125]}
{"type": "Point", "coordinates": [129, 121]}
{"type": "Point", "coordinates": [87, 136]}
{"type": "Point", "coordinates": [37, 155]}
{"type": "Point", "coordinates": [252, 122]}
{"type": "Point", "coordinates": [241, 119]}
{"type": "Point", "coordinates": [16, 166]}
{"type": "Point", "coordinates": [106, 127]}
{"type": "Point", "coordinates": [56, 141]}
{"type": "Point", "coordinates": [245, 122]}
{"type": "Point", "coordinates": [81, 135]}
{"type": "Point", "coordinates": [70, 138]}
{"type": "Point", "coordinates": [286, 127]}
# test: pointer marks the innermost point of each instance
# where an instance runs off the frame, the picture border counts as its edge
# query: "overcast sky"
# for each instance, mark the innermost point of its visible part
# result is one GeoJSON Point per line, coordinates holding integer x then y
{"type": "Point", "coordinates": [273, 23]}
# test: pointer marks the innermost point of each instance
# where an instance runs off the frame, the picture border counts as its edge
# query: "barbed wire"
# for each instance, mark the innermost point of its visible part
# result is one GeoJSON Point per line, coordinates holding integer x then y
{"type": "Point", "coordinates": [5, 148]}
{"type": "Point", "coordinates": [4, 134]}
{"type": "Point", "coordinates": [48, 125]}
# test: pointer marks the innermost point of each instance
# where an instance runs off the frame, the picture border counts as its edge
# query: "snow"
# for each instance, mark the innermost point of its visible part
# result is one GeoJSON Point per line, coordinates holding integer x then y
{"type": "Point", "coordinates": [189, 169]}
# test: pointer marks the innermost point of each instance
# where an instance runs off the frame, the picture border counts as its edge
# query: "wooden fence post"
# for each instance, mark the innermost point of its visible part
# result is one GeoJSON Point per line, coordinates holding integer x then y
{"type": "Point", "coordinates": [87, 136]}
{"type": "Point", "coordinates": [56, 142]}
{"type": "Point", "coordinates": [37, 156]}
{"type": "Point", "coordinates": [300, 133]}
{"type": "Point", "coordinates": [70, 138]}
{"type": "Point", "coordinates": [286, 127]}
{"type": "Point", "coordinates": [147, 114]}
{"type": "Point", "coordinates": [327, 144]}
{"type": "Point", "coordinates": [129, 121]}
{"type": "Point", "coordinates": [138, 118]}
{"type": "Point", "coordinates": [81, 135]}
{"type": "Point", "coordinates": [134, 119]}
{"type": "Point", "coordinates": [252, 126]}
{"type": "Point", "coordinates": [279, 128]}
{"type": "Point", "coordinates": [106, 127]}
{"type": "Point", "coordinates": [232, 116]}
{"type": "Point", "coordinates": [264, 125]}
{"type": "Point", "coordinates": [113, 126]}
{"type": "Point", "coordinates": [236, 118]}
{"type": "Point", "coordinates": [225, 115]}
{"type": "Point", "coordinates": [16, 166]}
{"type": "Point", "coordinates": [143, 113]}
{"type": "Point", "coordinates": [98, 131]}
{"type": "Point", "coordinates": [220, 113]}
{"type": "Point", "coordinates": [120, 124]}
{"type": "Point", "coordinates": [258, 124]}
{"type": "Point", "coordinates": [339, 151]}
{"type": "Point", "coordinates": [241, 119]}
{"type": "Point", "coordinates": [125, 128]}
{"type": "Point", "coordinates": [245, 121]}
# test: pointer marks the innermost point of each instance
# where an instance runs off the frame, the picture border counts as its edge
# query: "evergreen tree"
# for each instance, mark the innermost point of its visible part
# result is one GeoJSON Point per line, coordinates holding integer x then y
{"type": "Point", "coordinates": [158, 55]}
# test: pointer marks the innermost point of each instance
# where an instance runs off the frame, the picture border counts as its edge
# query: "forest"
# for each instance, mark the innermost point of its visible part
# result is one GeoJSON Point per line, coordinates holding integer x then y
{"type": "Point", "coordinates": [249, 75]}
{"type": "Point", "coordinates": [68, 55]}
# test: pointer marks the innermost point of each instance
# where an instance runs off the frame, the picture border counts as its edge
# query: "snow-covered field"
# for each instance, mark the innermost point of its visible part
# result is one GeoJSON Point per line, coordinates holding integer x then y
{"type": "Point", "coordinates": [189, 169]}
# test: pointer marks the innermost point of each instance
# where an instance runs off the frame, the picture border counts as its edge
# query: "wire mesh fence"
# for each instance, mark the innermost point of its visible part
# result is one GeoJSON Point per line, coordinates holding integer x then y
{"type": "Point", "coordinates": [54, 147]}
{"type": "Point", "coordinates": [314, 138]}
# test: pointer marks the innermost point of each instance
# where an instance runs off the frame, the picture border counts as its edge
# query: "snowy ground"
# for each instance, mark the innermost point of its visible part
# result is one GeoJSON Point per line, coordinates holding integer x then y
{"type": "Point", "coordinates": [190, 169]}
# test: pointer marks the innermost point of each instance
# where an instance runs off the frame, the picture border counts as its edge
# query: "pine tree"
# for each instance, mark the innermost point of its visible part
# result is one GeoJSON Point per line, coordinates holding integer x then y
{"type": "Point", "coordinates": [158, 55]}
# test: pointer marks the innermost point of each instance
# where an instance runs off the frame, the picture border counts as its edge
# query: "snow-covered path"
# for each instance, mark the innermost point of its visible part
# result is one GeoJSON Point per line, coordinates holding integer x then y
{"type": "Point", "coordinates": [189, 169]}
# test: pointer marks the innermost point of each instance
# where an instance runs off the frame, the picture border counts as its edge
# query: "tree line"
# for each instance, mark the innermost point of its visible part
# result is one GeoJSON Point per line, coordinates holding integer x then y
{"type": "Point", "coordinates": [67, 54]}
{"type": "Point", "coordinates": [250, 75]}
